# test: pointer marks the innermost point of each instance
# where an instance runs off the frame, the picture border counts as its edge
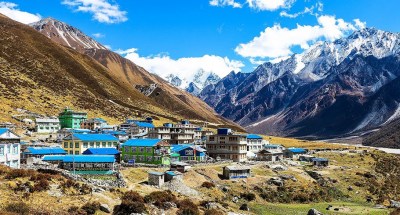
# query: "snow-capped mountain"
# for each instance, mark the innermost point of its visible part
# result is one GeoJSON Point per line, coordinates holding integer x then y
{"type": "Point", "coordinates": [194, 85]}
{"type": "Point", "coordinates": [66, 35]}
{"type": "Point", "coordinates": [331, 89]}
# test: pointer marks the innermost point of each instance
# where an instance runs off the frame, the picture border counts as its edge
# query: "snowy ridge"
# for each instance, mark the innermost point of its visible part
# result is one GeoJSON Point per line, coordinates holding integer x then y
{"type": "Point", "coordinates": [66, 34]}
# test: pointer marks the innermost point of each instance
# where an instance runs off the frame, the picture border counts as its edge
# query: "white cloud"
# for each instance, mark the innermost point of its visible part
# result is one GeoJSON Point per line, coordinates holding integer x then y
{"type": "Point", "coordinates": [270, 4]}
{"type": "Point", "coordinates": [307, 10]}
{"type": "Point", "coordinates": [98, 35]}
{"type": "Point", "coordinates": [277, 41]}
{"type": "Point", "coordinates": [11, 10]}
{"type": "Point", "coordinates": [222, 3]}
{"type": "Point", "coordinates": [102, 10]}
{"type": "Point", "coordinates": [108, 47]}
{"type": "Point", "coordinates": [185, 68]}
{"type": "Point", "coordinates": [360, 24]}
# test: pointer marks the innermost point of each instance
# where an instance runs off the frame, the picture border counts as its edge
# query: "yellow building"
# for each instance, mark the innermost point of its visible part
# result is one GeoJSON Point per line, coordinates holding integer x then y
{"type": "Point", "coordinates": [78, 143]}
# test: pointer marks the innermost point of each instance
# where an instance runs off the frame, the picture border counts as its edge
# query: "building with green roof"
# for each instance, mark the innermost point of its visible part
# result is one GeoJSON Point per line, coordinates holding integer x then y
{"type": "Point", "coordinates": [71, 119]}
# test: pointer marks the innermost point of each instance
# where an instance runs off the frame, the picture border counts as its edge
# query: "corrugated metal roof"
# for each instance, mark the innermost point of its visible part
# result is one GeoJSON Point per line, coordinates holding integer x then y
{"type": "Point", "coordinates": [253, 136]}
{"type": "Point", "coordinates": [237, 167]}
{"type": "Point", "coordinates": [156, 173]}
{"type": "Point", "coordinates": [297, 150]}
{"type": "Point", "coordinates": [271, 146]}
{"type": "Point", "coordinates": [95, 137]}
{"type": "Point", "coordinates": [3, 130]}
{"type": "Point", "coordinates": [53, 157]}
{"type": "Point", "coordinates": [89, 158]}
{"type": "Point", "coordinates": [142, 142]}
{"type": "Point", "coordinates": [319, 159]}
{"type": "Point", "coordinates": [101, 151]}
{"type": "Point", "coordinates": [144, 124]}
{"type": "Point", "coordinates": [180, 147]}
{"type": "Point", "coordinates": [45, 150]}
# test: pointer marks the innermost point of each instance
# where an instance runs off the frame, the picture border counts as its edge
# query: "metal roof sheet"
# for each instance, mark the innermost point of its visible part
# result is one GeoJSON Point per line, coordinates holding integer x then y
{"type": "Point", "coordinates": [89, 158]}
{"type": "Point", "coordinates": [45, 150]}
{"type": "Point", "coordinates": [101, 151]}
{"type": "Point", "coordinates": [253, 136]}
{"type": "Point", "coordinates": [95, 137]}
{"type": "Point", "coordinates": [142, 142]}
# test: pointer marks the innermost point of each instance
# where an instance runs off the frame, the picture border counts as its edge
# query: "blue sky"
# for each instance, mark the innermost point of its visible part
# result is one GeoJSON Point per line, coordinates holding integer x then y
{"type": "Point", "coordinates": [165, 36]}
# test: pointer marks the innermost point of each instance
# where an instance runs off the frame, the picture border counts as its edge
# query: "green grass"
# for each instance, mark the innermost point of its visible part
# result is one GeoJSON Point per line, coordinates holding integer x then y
{"type": "Point", "coordinates": [301, 209]}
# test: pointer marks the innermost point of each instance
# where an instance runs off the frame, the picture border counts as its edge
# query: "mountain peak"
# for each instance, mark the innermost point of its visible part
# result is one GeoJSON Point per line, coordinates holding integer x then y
{"type": "Point", "coordinates": [65, 34]}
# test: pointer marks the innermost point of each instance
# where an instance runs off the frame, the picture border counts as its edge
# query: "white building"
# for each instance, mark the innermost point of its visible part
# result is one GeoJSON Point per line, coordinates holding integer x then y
{"type": "Point", "coordinates": [47, 125]}
{"type": "Point", "coordinates": [226, 145]}
{"type": "Point", "coordinates": [9, 148]}
{"type": "Point", "coordinates": [254, 143]}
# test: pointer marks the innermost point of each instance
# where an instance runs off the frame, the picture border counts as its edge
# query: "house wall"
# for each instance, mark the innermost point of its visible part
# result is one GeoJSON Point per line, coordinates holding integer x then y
{"type": "Point", "coordinates": [156, 180]}
{"type": "Point", "coordinates": [77, 147]}
{"type": "Point", "coordinates": [232, 147]}
{"type": "Point", "coordinates": [144, 154]}
{"type": "Point", "coordinates": [71, 119]}
{"type": "Point", "coordinates": [10, 155]}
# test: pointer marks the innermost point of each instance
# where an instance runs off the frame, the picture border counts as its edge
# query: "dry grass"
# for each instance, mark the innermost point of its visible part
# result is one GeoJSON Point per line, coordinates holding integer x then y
{"type": "Point", "coordinates": [290, 142]}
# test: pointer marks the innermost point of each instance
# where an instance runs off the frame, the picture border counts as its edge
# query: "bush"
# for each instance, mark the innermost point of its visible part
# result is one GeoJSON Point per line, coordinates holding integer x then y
{"type": "Point", "coordinates": [208, 185]}
{"type": "Point", "coordinates": [75, 210]}
{"type": "Point", "coordinates": [132, 202]}
{"type": "Point", "coordinates": [158, 198]}
{"type": "Point", "coordinates": [91, 207]}
{"type": "Point", "coordinates": [20, 208]}
{"type": "Point", "coordinates": [248, 196]}
{"type": "Point", "coordinates": [213, 212]}
{"type": "Point", "coordinates": [19, 173]}
{"type": "Point", "coordinates": [187, 207]}
{"type": "Point", "coordinates": [41, 185]}
{"type": "Point", "coordinates": [40, 176]}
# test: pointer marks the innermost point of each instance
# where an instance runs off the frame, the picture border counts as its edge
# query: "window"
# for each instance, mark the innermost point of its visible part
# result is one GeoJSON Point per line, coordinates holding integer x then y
{"type": "Point", "coordinates": [65, 145]}
{"type": "Point", "coordinates": [71, 145]}
{"type": "Point", "coordinates": [126, 149]}
{"type": "Point", "coordinates": [85, 145]}
{"type": "Point", "coordinates": [91, 145]}
{"type": "Point", "coordinates": [141, 149]}
{"type": "Point", "coordinates": [1, 150]}
{"type": "Point", "coordinates": [9, 149]}
{"type": "Point", "coordinates": [109, 144]}
{"type": "Point", "coordinates": [149, 158]}
{"type": "Point", "coordinates": [148, 150]}
{"type": "Point", "coordinates": [77, 152]}
{"type": "Point", "coordinates": [104, 144]}
{"type": "Point", "coordinates": [76, 145]}
{"type": "Point", "coordinates": [212, 138]}
{"type": "Point", "coordinates": [15, 151]}
{"type": "Point", "coordinates": [71, 152]}
{"type": "Point", "coordinates": [97, 145]}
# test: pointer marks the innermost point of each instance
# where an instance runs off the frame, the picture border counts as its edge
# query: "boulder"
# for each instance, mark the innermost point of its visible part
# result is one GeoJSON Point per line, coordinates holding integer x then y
{"type": "Point", "coordinates": [244, 207]}
{"type": "Point", "coordinates": [276, 181]}
{"type": "Point", "coordinates": [394, 204]}
{"type": "Point", "coordinates": [313, 211]}
{"type": "Point", "coordinates": [105, 208]}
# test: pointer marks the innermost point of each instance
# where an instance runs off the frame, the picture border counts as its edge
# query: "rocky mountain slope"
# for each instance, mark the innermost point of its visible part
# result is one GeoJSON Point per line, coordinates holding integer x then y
{"type": "Point", "coordinates": [330, 90]}
{"type": "Point", "coordinates": [387, 136]}
{"type": "Point", "coordinates": [42, 76]}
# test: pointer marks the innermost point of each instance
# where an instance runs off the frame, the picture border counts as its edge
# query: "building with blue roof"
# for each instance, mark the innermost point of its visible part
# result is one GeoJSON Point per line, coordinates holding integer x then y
{"type": "Point", "coordinates": [104, 151]}
{"type": "Point", "coordinates": [294, 152]}
{"type": "Point", "coordinates": [82, 162]}
{"type": "Point", "coordinates": [320, 161]}
{"type": "Point", "coordinates": [152, 151]}
{"type": "Point", "coordinates": [188, 152]}
{"type": "Point", "coordinates": [254, 143]}
{"type": "Point", "coordinates": [9, 148]}
{"type": "Point", "coordinates": [39, 152]}
{"type": "Point", "coordinates": [78, 143]}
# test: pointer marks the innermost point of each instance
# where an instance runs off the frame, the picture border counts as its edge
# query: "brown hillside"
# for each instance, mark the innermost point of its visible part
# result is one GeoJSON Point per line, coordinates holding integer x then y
{"type": "Point", "coordinates": [42, 76]}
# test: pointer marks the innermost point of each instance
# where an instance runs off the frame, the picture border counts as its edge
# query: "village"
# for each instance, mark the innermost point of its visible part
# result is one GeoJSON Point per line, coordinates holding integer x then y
{"type": "Point", "coordinates": [138, 155]}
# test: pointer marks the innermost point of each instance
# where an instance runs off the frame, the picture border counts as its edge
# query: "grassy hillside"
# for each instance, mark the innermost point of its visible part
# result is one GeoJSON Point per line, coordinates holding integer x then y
{"type": "Point", "coordinates": [41, 76]}
{"type": "Point", "coordinates": [387, 136]}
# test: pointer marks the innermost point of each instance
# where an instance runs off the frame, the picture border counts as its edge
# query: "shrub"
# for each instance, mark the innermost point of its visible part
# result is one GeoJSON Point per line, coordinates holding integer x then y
{"type": "Point", "coordinates": [75, 210]}
{"type": "Point", "coordinates": [132, 202]}
{"type": "Point", "coordinates": [41, 185]}
{"type": "Point", "coordinates": [248, 196]}
{"type": "Point", "coordinates": [18, 173]}
{"type": "Point", "coordinates": [158, 198]}
{"type": "Point", "coordinates": [187, 207]}
{"type": "Point", "coordinates": [18, 208]}
{"type": "Point", "coordinates": [40, 176]}
{"type": "Point", "coordinates": [91, 207]}
{"type": "Point", "coordinates": [208, 185]}
{"type": "Point", "coordinates": [213, 212]}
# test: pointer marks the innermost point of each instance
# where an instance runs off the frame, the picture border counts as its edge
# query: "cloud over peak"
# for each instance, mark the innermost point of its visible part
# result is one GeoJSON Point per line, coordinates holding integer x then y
{"type": "Point", "coordinates": [102, 10]}
{"type": "Point", "coordinates": [11, 10]}
{"type": "Point", "coordinates": [270, 5]}
{"type": "Point", "coordinates": [277, 41]}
